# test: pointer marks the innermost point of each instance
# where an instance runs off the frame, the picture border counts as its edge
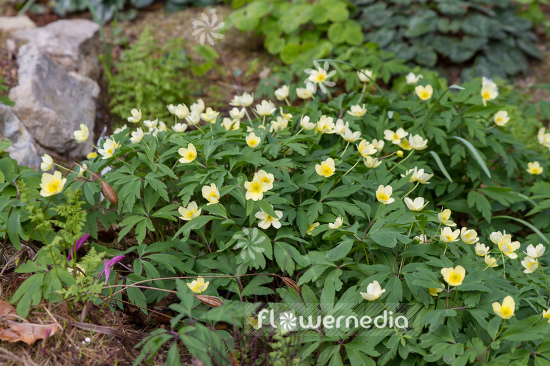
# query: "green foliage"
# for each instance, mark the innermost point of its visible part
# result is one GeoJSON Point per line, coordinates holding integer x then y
{"type": "Point", "coordinates": [4, 99]}
{"type": "Point", "coordinates": [150, 75]}
{"type": "Point", "coordinates": [486, 34]}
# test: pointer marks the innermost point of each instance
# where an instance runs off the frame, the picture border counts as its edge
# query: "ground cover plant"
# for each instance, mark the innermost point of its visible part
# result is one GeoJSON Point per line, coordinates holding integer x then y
{"type": "Point", "coordinates": [417, 195]}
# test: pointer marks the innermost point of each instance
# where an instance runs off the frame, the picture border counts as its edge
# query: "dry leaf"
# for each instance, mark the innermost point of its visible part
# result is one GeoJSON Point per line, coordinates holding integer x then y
{"type": "Point", "coordinates": [14, 331]}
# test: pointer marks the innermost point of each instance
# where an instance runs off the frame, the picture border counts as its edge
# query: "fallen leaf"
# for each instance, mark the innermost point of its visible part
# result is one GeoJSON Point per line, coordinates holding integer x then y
{"type": "Point", "coordinates": [14, 331]}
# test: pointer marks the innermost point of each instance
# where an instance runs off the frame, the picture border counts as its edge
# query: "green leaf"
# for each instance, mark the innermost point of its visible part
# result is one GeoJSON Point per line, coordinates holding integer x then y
{"type": "Point", "coordinates": [340, 251]}
{"type": "Point", "coordinates": [476, 154]}
{"type": "Point", "coordinates": [441, 166]}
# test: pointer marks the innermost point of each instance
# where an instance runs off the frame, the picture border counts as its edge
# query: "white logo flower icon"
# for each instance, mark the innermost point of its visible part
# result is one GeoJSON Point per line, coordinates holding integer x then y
{"type": "Point", "coordinates": [206, 30]}
{"type": "Point", "coordinates": [287, 321]}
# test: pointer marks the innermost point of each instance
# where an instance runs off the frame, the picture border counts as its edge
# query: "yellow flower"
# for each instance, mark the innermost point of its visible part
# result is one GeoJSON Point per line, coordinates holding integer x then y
{"type": "Point", "coordinates": [534, 168]}
{"type": "Point", "coordinates": [325, 124]}
{"type": "Point", "coordinates": [306, 125]}
{"type": "Point", "coordinates": [412, 78]}
{"type": "Point", "coordinates": [282, 92]}
{"type": "Point", "coordinates": [265, 108]}
{"type": "Point", "coordinates": [489, 90]}
{"type": "Point", "coordinates": [312, 227]}
{"type": "Point", "coordinates": [374, 291]}
{"type": "Point", "coordinates": [337, 223]}
{"type": "Point", "coordinates": [109, 148]}
{"type": "Point", "coordinates": [530, 264]}
{"type": "Point", "coordinates": [188, 155]}
{"type": "Point", "coordinates": [505, 243]}
{"type": "Point", "coordinates": [252, 140]}
{"type": "Point", "coordinates": [229, 124]}
{"type": "Point", "coordinates": [435, 291]}
{"type": "Point", "coordinates": [47, 162]}
{"type": "Point", "coordinates": [357, 110]}
{"type": "Point", "coordinates": [255, 189]}
{"type": "Point", "coordinates": [211, 194]}
{"type": "Point", "coordinates": [399, 153]}
{"type": "Point", "coordinates": [481, 249]}
{"type": "Point", "coordinates": [371, 162]}
{"type": "Point", "coordinates": [266, 221]}
{"type": "Point", "coordinates": [395, 137]}
{"type": "Point", "coordinates": [189, 212]}
{"type": "Point", "coordinates": [454, 276]}
{"type": "Point", "coordinates": [405, 145]}
{"type": "Point", "coordinates": [501, 118]}
{"type": "Point", "coordinates": [383, 194]}
{"type": "Point", "coordinates": [136, 116]}
{"type": "Point", "coordinates": [210, 115]}
{"type": "Point", "coordinates": [91, 155]}
{"type": "Point", "coordinates": [137, 135]}
{"type": "Point", "coordinates": [535, 252]}
{"type": "Point", "coordinates": [265, 177]}
{"type": "Point", "coordinates": [448, 235]}
{"type": "Point", "coordinates": [546, 315]}
{"type": "Point", "coordinates": [326, 168]}
{"type": "Point", "coordinates": [82, 134]}
{"type": "Point", "coordinates": [198, 286]}
{"type": "Point", "coordinates": [490, 261]}
{"type": "Point", "coordinates": [365, 75]}
{"type": "Point", "coordinates": [506, 310]}
{"type": "Point", "coordinates": [445, 217]}
{"type": "Point", "coordinates": [52, 184]}
{"type": "Point", "coordinates": [424, 92]}
{"type": "Point", "coordinates": [181, 111]}
{"type": "Point", "coordinates": [416, 205]}
{"type": "Point", "coordinates": [366, 149]}
{"type": "Point", "coordinates": [468, 236]}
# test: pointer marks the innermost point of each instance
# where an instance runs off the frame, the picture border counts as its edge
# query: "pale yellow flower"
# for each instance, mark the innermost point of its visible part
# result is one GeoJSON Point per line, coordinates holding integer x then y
{"type": "Point", "coordinates": [109, 148]}
{"type": "Point", "coordinates": [412, 78]}
{"type": "Point", "coordinates": [395, 137]}
{"type": "Point", "coordinates": [265, 108]}
{"type": "Point", "coordinates": [230, 124]}
{"type": "Point", "coordinates": [505, 243]}
{"type": "Point", "coordinates": [534, 168]}
{"type": "Point", "coordinates": [252, 140]}
{"type": "Point", "coordinates": [543, 137]}
{"type": "Point", "coordinates": [417, 142]}
{"type": "Point", "coordinates": [325, 124]}
{"type": "Point", "coordinates": [445, 217]}
{"type": "Point", "coordinates": [365, 75]}
{"type": "Point", "coordinates": [312, 227]}
{"type": "Point", "coordinates": [340, 126]}
{"type": "Point", "coordinates": [454, 276]}
{"type": "Point", "coordinates": [266, 220]}
{"type": "Point", "coordinates": [197, 107]}
{"type": "Point", "coordinates": [489, 90]}
{"type": "Point", "coordinates": [82, 134]}
{"type": "Point", "coordinates": [181, 111]}
{"type": "Point", "coordinates": [244, 100]}
{"type": "Point", "coordinates": [481, 249]}
{"type": "Point", "coordinates": [378, 144]}
{"type": "Point", "coordinates": [399, 153]}
{"type": "Point", "coordinates": [119, 130]}
{"type": "Point", "coordinates": [506, 309]}
{"type": "Point", "coordinates": [468, 236]}
{"type": "Point", "coordinates": [383, 194]}
{"type": "Point", "coordinates": [405, 145]}
{"type": "Point", "coordinates": [209, 115]}
{"type": "Point", "coordinates": [211, 194]}
{"type": "Point", "coordinates": [47, 162]}
{"type": "Point", "coordinates": [357, 110]}
{"type": "Point", "coordinates": [351, 136]}
{"type": "Point", "coordinates": [282, 92]}
{"type": "Point", "coordinates": [265, 177]}
{"type": "Point", "coordinates": [136, 115]}
{"type": "Point", "coordinates": [189, 212]}
{"type": "Point", "coordinates": [151, 124]}
{"type": "Point", "coordinates": [366, 149]}
{"type": "Point", "coordinates": [337, 223]}
{"type": "Point", "coordinates": [255, 189]}
{"type": "Point", "coordinates": [374, 291]}
{"type": "Point", "coordinates": [326, 168]}
{"type": "Point", "coordinates": [179, 127]}
{"type": "Point", "coordinates": [435, 291]}
{"type": "Point", "coordinates": [137, 135]}
{"type": "Point", "coordinates": [490, 261]}
{"type": "Point", "coordinates": [546, 315]}
{"type": "Point", "coordinates": [193, 118]}
{"type": "Point", "coordinates": [188, 155]}
{"type": "Point", "coordinates": [307, 92]}
{"type": "Point", "coordinates": [198, 286]}
{"type": "Point", "coordinates": [52, 184]}
{"type": "Point", "coordinates": [237, 114]}
{"type": "Point", "coordinates": [371, 162]}
{"type": "Point", "coordinates": [306, 124]}
{"type": "Point", "coordinates": [91, 155]}
{"type": "Point", "coordinates": [501, 118]}
{"type": "Point", "coordinates": [418, 175]}
{"type": "Point", "coordinates": [448, 235]}
{"type": "Point", "coordinates": [417, 205]}
{"type": "Point", "coordinates": [424, 92]}
{"type": "Point", "coordinates": [535, 252]}
{"type": "Point", "coordinates": [530, 264]}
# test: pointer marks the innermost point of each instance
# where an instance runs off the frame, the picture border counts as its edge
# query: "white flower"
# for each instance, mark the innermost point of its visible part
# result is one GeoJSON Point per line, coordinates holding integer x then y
{"type": "Point", "coordinates": [181, 111]}
{"type": "Point", "coordinates": [47, 162]}
{"type": "Point", "coordinates": [282, 92]}
{"type": "Point", "coordinates": [266, 221]}
{"type": "Point", "coordinates": [244, 100]}
{"type": "Point", "coordinates": [412, 78]}
{"type": "Point", "coordinates": [307, 92]}
{"type": "Point", "coordinates": [383, 194]}
{"type": "Point", "coordinates": [364, 75]}
{"type": "Point", "coordinates": [416, 205]}
{"type": "Point", "coordinates": [210, 115]}
{"type": "Point", "coordinates": [325, 124]}
{"type": "Point", "coordinates": [501, 118]}
{"type": "Point", "coordinates": [193, 118]}
{"type": "Point", "coordinates": [448, 235]}
{"type": "Point", "coordinates": [190, 212]}
{"type": "Point", "coordinates": [378, 144]}
{"type": "Point", "coordinates": [171, 108]}
{"type": "Point", "coordinates": [371, 162]}
{"type": "Point", "coordinates": [351, 136]}
{"type": "Point", "coordinates": [544, 138]}
{"type": "Point", "coordinates": [237, 114]}
{"type": "Point", "coordinates": [197, 107]}
{"type": "Point", "coordinates": [366, 149]}
{"type": "Point", "coordinates": [489, 90]}
{"type": "Point", "coordinates": [535, 252]}
{"type": "Point", "coordinates": [340, 126]}
{"type": "Point", "coordinates": [82, 170]}
{"type": "Point", "coordinates": [230, 124]}
{"type": "Point", "coordinates": [357, 110]}
{"type": "Point", "coordinates": [306, 125]}
{"type": "Point", "coordinates": [418, 175]}
{"type": "Point", "coordinates": [374, 291]}
{"type": "Point", "coordinates": [151, 124]}
{"type": "Point", "coordinates": [266, 108]}
{"type": "Point", "coordinates": [207, 30]}
{"type": "Point", "coordinates": [337, 223]}
{"type": "Point", "coordinates": [179, 127]}
{"type": "Point", "coordinates": [108, 150]}
{"type": "Point", "coordinates": [422, 238]}
{"type": "Point", "coordinates": [468, 236]}
{"type": "Point", "coordinates": [136, 116]}
{"type": "Point", "coordinates": [481, 249]}
{"type": "Point", "coordinates": [137, 135]}
{"type": "Point", "coordinates": [445, 217]}
{"type": "Point", "coordinates": [119, 130]}
{"type": "Point", "coordinates": [417, 142]}
{"type": "Point", "coordinates": [82, 134]}
{"type": "Point", "coordinates": [530, 264]}
{"type": "Point", "coordinates": [319, 76]}
{"type": "Point", "coordinates": [395, 137]}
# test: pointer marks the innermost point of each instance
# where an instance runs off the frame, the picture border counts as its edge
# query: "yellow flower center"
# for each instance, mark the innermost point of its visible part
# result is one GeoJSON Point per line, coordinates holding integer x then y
{"type": "Point", "coordinates": [486, 95]}
{"type": "Point", "coordinates": [190, 155]}
{"type": "Point", "coordinates": [383, 196]}
{"type": "Point", "coordinates": [53, 186]}
{"type": "Point", "coordinates": [455, 277]}
{"type": "Point", "coordinates": [256, 188]}
{"type": "Point", "coordinates": [321, 76]}
{"type": "Point", "coordinates": [265, 180]}
{"type": "Point", "coordinates": [424, 95]}
{"type": "Point", "coordinates": [506, 311]}
{"type": "Point", "coordinates": [326, 170]}
{"type": "Point", "coordinates": [189, 213]}
{"type": "Point", "coordinates": [252, 142]}
{"type": "Point", "coordinates": [212, 196]}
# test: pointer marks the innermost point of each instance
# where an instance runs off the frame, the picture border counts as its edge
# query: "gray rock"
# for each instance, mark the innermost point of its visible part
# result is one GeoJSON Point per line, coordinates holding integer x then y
{"type": "Point", "coordinates": [22, 146]}
{"type": "Point", "coordinates": [12, 24]}
{"type": "Point", "coordinates": [74, 44]}
{"type": "Point", "coordinates": [52, 103]}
